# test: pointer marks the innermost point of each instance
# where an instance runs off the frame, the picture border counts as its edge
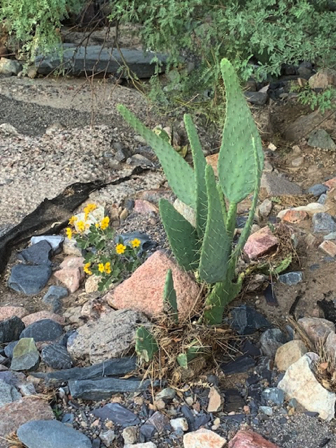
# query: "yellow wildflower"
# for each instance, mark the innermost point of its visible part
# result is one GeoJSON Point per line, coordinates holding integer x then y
{"type": "Point", "coordinates": [101, 267]}
{"type": "Point", "coordinates": [108, 268]}
{"type": "Point", "coordinates": [97, 225]}
{"type": "Point", "coordinates": [68, 232]}
{"type": "Point", "coordinates": [135, 243]}
{"type": "Point", "coordinates": [120, 249]}
{"type": "Point", "coordinates": [80, 226]}
{"type": "Point", "coordinates": [72, 220]}
{"type": "Point", "coordinates": [88, 209]}
{"type": "Point", "coordinates": [105, 222]}
{"type": "Point", "coordinates": [87, 268]}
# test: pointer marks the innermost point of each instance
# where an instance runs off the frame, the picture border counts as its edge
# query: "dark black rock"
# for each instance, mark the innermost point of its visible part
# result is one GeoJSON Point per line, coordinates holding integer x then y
{"type": "Point", "coordinates": [104, 388]}
{"type": "Point", "coordinates": [329, 309]}
{"type": "Point", "coordinates": [118, 414]}
{"type": "Point", "coordinates": [54, 296]}
{"type": "Point", "coordinates": [239, 365]}
{"type": "Point", "coordinates": [43, 330]}
{"type": "Point", "coordinates": [257, 98]}
{"type": "Point", "coordinates": [147, 431]}
{"type": "Point", "coordinates": [201, 420]}
{"type": "Point", "coordinates": [238, 418]}
{"type": "Point", "coordinates": [270, 296]}
{"type": "Point", "coordinates": [10, 329]}
{"type": "Point", "coordinates": [112, 367]}
{"type": "Point", "coordinates": [10, 348]}
{"type": "Point", "coordinates": [252, 379]}
{"type": "Point", "coordinates": [189, 416]}
{"type": "Point", "coordinates": [248, 348]}
{"type": "Point", "coordinates": [271, 340]}
{"type": "Point", "coordinates": [29, 280]}
{"type": "Point", "coordinates": [56, 356]}
{"type": "Point", "coordinates": [233, 401]}
{"type": "Point", "coordinates": [246, 320]}
{"type": "Point", "coordinates": [37, 254]}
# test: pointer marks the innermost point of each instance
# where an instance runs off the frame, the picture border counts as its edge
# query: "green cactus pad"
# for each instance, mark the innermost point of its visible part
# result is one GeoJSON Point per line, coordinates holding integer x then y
{"type": "Point", "coordinates": [216, 245]}
{"type": "Point", "coordinates": [221, 295]}
{"type": "Point", "coordinates": [179, 174]}
{"type": "Point", "coordinates": [237, 163]}
{"type": "Point", "coordinates": [191, 353]}
{"type": "Point", "coordinates": [182, 236]}
{"type": "Point", "coordinates": [169, 297]}
{"type": "Point", "coordinates": [199, 170]}
{"type": "Point", "coordinates": [145, 344]}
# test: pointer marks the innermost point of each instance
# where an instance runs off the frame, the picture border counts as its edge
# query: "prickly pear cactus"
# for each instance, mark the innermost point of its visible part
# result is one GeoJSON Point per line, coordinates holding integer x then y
{"type": "Point", "coordinates": [169, 298]}
{"type": "Point", "coordinates": [145, 344]}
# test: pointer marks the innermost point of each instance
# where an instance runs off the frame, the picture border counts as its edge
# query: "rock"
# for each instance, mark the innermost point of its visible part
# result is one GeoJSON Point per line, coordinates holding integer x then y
{"type": "Point", "coordinates": [142, 445]}
{"type": "Point", "coordinates": [117, 414]}
{"type": "Point", "coordinates": [159, 421]}
{"type": "Point", "coordinates": [70, 248]}
{"type": "Point", "coordinates": [49, 433]}
{"type": "Point", "coordinates": [273, 395]}
{"type": "Point", "coordinates": [331, 183]}
{"type": "Point", "coordinates": [54, 296]}
{"type": "Point", "coordinates": [311, 209]}
{"type": "Point", "coordinates": [80, 60]}
{"type": "Point", "coordinates": [215, 400]}
{"type": "Point", "coordinates": [145, 241]}
{"type": "Point", "coordinates": [107, 437]}
{"type": "Point", "coordinates": [10, 66]}
{"type": "Point", "coordinates": [36, 254]}
{"type": "Point", "coordinates": [271, 340]}
{"type": "Point", "coordinates": [246, 320]}
{"type": "Point", "coordinates": [294, 216]}
{"type": "Point", "coordinates": [246, 438]}
{"type": "Point", "coordinates": [71, 273]}
{"type": "Point", "coordinates": [187, 212]}
{"type": "Point", "coordinates": [130, 435]}
{"type": "Point", "coordinates": [139, 160]}
{"type": "Point", "coordinates": [166, 394]}
{"type": "Point", "coordinates": [40, 315]}
{"type": "Point", "coordinates": [316, 328]}
{"type": "Point", "coordinates": [267, 410]}
{"type": "Point", "coordinates": [289, 353]}
{"type": "Point", "coordinates": [265, 208]}
{"type": "Point", "coordinates": [330, 346]}
{"type": "Point", "coordinates": [260, 242]}
{"type": "Point", "coordinates": [278, 186]}
{"type": "Point", "coordinates": [25, 355]}
{"type": "Point", "coordinates": [291, 278]}
{"type": "Point", "coordinates": [8, 394]}
{"type": "Point", "coordinates": [104, 388]}
{"type": "Point", "coordinates": [300, 383]}
{"type": "Point", "coordinates": [324, 78]}
{"type": "Point", "coordinates": [143, 291]}
{"type": "Point", "coordinates": [29, 280]}
{"type": "Point", "coordinates": [179, 423]}
{"type": "Point", "coordinates": [56, 356]}
{"type": "Point", "coordinates": [329, 248]}
{"type": "Point", "coordinates": [10, 311]}
{"type": "Point", "coordinates": [203, 438]}
{"type": "Point", "coordinates": [323, 223]}
{"type": "Point", "coordinates": [145, 207]}
{"type": "Point", "coordinates": [43, 330]}
{"type": "Point", "coordinates": [111, 367]}
{"type": "Point", "coordinates": [212, 160]}
{"type": "Point", "coordinates": [147, 432]}
{"type": "Point", "coordinates": [9, 349]}
{"type": "Point", "coordinates": [322, 199]}
{"type": "Point", "coordinates": [10, 329]}
{"type": "Point", "coordinates": [239, 365]}
{"type": "Point", "coordinates": [91, 283]}
{"type": "Point", "coordinates": [256, 98]}
{"type": "Point", "coordinates": [110, 336]}
{"type": "Point", "coordinates": [55, 241]}
{"type": "Point", "coordinates": [298, 161]}
{"type": "Point", "coordinates": [317, 189]}
{"type": "Point", "coordinates": [321, 139]}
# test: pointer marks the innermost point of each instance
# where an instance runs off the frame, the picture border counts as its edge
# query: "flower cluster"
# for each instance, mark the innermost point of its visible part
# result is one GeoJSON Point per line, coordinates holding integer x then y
{"type": "Point", "coordinates": [111, 261]}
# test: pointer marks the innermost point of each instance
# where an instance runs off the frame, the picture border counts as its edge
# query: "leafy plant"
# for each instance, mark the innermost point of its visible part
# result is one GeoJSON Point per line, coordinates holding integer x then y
{"type": "Point", "coordinates": [324, 100]}
{"type": "Point", "coordinates": [208, 247]}
{"type": "Point", "coordinates": [110, 261]}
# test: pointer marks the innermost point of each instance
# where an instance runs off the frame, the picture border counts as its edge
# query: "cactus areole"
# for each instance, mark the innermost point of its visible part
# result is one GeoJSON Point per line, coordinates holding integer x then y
{"type": "Point", "coordinates": [208, 248]}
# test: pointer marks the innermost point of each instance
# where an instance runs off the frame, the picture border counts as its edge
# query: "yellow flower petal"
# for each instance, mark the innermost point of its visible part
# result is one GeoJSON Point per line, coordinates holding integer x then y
{"type": "Point", "coordinates": [87, 268]}
{"type": "Point", "coordinates": [69, 233]}
{"type": "Point", "coordinates": [105, 222]}
{"type": "Point", "coordinates": [135, 243]}
{"type": "Point", "coordinates": [101, 267]}
{"type": "Point", "coordinates": [108, 268]}
{"type": "Point", "coordinates": [120, 249]}
{"type": "Point", "coordinates": [80, 226]}
{"type": "Point", "coordinates": [72, 220]}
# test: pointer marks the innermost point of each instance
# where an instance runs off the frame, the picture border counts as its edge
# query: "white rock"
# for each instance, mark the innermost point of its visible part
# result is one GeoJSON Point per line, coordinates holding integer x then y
{"type": "Point", "coordinates": [187, 212]}
{"type": "Point", "coordinates": [142, 445]}
{"type": "Point", "coordinates": [179, 423]}
{"type": "Point", "coordinates": [130, 435]}
{"type": "Point", "coordinates": [203, 438]}
{"type": "Point", "coordinates": [265, 208]}
{"type": "Point", "coordinates": [311, 209]}
{"type": "Point", "coordinates": [300, 383]}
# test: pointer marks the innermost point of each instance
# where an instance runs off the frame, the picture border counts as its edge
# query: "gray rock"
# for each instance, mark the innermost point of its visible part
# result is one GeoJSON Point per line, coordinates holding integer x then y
{"type": "Point", "coordinates": [111, 367]}
{"type": "Point", "coordinates": [103, 388]}
{"type": "Point", "coordinates": [36, 254]}
{"type": "Point", "coordinates": [246, 320]}
{"type": "Point", "coordinates": [56, 356]}
{"type": "Point", "coordinates": [29, 280]}
{"type": "Point", "coordinates": [107, 437]}
{"type": "Point", "coordinates": [54, 296]}
{"type": "Point", "coordinates": [322, 199]}
{"type": "Point", "coordinates": [110, 336]}
{"type": "Point", "coordinates": [166, 394]}
{"type": "Point", "coordinates": [256, 98]}
{"type": "Point", "coordinates": [118, 414]}
{"type": "Point", "coordinates": [330, 236]}
{"type": "Point", "coordinates": [10, 329]}
{"type": "Point", "coordinates": [317, 189]}
{"type": "Point", "coordinates": [10, 66]}
{"type": "Point", "coordinates": [271, 340]}
{"type": "Point", "coordinates": [277, 186]}
{"type": "Point", "coordinates": [321, 139]}
{"type": "Point", "coordinates": [139, 160]}
{"type": "Point", "coordinates": [323, 223]}
{"type": "Point", "coordinates": [267, 410]}
{"type": "Point", "coordinates": [10, 348]}
{"type": "Point", "coordinates": [51, 434]}
{"type": "Point", "coordinates": [25, 355]}
{"type": "Point", "coordinates": [273, 395]}
{"type": "Point", "coordinates": [55, 241]}
{"type": "Point", "coordinates": [43, 330]}
{"type": "Point", "coordinates": [305, 70]}
{"type": "Point", "coordinates": [8, 393]}
{"type": "Point", "coordinates": [303, 125]}
{"type": "Point", "coordinates": [97, 59]}
{"type": "Point", "coordinates": [291, 278]}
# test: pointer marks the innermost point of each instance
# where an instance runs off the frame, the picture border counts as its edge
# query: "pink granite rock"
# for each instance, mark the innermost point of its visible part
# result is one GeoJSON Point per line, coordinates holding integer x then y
{"type": "Point", "coordinates": [246, 438]}
{"type": "Point", "coordinates": [145, 207]}
{"type": "Point", "coordinates": [143, 291]}
{"type": "Point", "coordinates": [35, 317]}
{"type": "Point", "coordinates": [316, 328]}
{"type": "Point", "coordinates": [260, 242]}
{"type": "Point", "coordinates": [6, 312]}
{"type": "Point", "coordinates": [71, 273]}
{"type": "Point", "coordinates": [203, 438]}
